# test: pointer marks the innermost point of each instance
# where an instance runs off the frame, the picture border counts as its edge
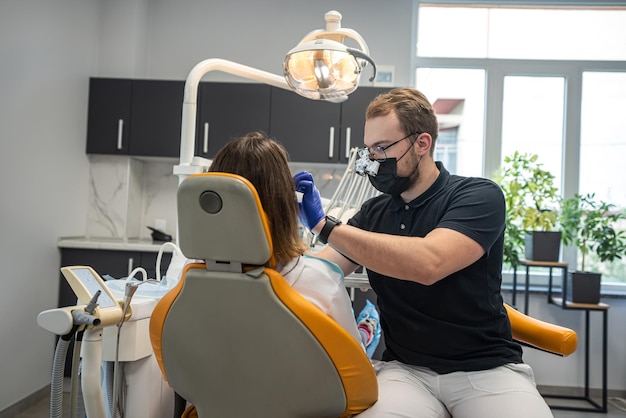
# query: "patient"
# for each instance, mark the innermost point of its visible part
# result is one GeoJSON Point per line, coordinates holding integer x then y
{"type": "Point", "coordinates": [263, 161]}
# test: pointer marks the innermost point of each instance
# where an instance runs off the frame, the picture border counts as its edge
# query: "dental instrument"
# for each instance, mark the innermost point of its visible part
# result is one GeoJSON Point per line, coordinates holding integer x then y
{"type": "Point", "coordinates": [353, 189]}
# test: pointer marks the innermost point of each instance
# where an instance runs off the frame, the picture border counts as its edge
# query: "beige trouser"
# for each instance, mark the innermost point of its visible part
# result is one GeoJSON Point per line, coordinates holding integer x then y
{"type": "Point", "coordinates": [415, 392]}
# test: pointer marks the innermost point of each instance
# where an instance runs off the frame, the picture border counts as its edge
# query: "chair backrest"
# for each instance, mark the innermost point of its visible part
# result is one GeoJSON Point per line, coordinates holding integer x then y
{"type": "Point", "coordinates": [233, 337]}
{"type": "Point", "coordinates": [542, 335]}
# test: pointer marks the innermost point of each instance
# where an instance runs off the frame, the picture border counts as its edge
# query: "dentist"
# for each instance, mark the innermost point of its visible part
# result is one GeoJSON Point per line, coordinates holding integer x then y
{"type": "Point", "coordinates": [432, 246]}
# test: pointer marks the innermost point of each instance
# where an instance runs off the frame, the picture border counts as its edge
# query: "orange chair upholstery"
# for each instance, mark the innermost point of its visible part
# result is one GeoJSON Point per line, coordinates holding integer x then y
{"type": "Point", "coordinates": [540, 334]}
{"type": "Point", "coordinates": [233, 338]}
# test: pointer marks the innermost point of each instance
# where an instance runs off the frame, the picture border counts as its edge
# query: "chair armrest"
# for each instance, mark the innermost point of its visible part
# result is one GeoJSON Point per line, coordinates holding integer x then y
{"type": "Point", "coordinates": [540, 334]}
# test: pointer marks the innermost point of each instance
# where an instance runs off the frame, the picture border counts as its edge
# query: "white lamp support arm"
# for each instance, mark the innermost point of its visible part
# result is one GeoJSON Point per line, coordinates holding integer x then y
{"type": "Point", "coordinates": [189, 164]}
{"type": "Point", "coordinates": [333, 32]}
{"type": "Point", "coordinates": [190, 101]}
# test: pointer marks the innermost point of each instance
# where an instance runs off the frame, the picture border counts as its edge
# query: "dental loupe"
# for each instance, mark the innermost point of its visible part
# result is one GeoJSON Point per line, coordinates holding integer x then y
{"type": "Point", "coordinates": [364, 165]}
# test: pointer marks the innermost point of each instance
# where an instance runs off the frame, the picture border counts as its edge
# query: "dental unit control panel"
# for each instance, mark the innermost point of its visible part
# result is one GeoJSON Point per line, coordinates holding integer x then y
{"type": "Point", "coordinates": [86, 284]}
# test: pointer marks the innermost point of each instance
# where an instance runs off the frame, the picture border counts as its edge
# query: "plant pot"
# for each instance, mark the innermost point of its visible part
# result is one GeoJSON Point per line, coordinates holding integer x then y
{"type": "Point", "coordinates": [542, 245]}
{"type": "Point", "coordinates": [585, 287]}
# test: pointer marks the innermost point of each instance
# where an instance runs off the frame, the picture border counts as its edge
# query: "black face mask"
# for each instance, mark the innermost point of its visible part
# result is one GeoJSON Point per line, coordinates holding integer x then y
{"type": "Point", "coordinates": [387, 179]}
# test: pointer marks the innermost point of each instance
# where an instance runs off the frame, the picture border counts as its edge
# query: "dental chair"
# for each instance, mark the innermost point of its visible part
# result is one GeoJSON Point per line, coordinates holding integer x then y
{"type": "Point", "coordinates": [233, 338]}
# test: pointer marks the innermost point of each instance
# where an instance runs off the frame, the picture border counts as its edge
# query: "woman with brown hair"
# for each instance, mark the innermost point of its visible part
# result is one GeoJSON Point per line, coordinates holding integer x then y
{"type": "Point", "coordinates": [264, 162]}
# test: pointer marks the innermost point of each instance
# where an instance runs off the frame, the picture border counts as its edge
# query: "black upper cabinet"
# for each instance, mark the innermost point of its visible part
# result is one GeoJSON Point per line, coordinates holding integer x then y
{"type": "Point", "coordinates": [319, 131]}
{"type": "Point", "coordinates": [156, 114]}
{"type": "Point", "coordinates": [143, 118]}
{"type": "Point", "coordinates": [229, 110]}
{"type": "Point", "coordinates": [108, 120]}
{"type": "Point", "coordinates": [353, 118]}
{"type": "Point", "coordinates": [307, 128]}
{"type": "Point", "coordinates": [134, 117]}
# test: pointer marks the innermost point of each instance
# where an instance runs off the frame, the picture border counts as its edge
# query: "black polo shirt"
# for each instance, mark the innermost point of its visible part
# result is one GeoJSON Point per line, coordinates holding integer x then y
{"type": "Point", "coordinates": [458, 323]}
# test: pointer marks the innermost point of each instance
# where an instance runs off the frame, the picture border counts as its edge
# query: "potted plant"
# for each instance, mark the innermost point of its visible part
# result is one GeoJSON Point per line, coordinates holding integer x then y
{"type": "Point", "coordinates": [532, 203]}
{"type": "Point", "coordinates": [590, 225]}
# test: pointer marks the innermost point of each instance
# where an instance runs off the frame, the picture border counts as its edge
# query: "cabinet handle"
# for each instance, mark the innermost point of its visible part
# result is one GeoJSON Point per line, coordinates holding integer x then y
{"type": "Point", "coordinates": [331, 143]}
{"type": "Point", "coordinates": [131, 264]}
{"type": "Point", "coordinates": [120, 130]}
{"type": "Point", "coordinates": [348, 134]}
{"type": "Point", "coordinates": [205, 139]}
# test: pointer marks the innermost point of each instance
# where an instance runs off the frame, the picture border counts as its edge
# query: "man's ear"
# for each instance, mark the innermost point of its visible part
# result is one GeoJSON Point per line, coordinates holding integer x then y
{"type": "Point", "coordinates": [424, 143]}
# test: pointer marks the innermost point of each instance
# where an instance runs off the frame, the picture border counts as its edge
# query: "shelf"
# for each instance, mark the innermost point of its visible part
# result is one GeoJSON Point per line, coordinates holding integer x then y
{"type": "Point", "coordinates": [574, 305]}
{"type": "Point", "coordinates": [114, 244]}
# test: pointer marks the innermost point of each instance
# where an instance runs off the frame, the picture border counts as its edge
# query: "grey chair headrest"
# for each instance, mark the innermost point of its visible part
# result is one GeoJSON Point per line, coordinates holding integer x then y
{"type": "Point", "coordinates": [220, 219]}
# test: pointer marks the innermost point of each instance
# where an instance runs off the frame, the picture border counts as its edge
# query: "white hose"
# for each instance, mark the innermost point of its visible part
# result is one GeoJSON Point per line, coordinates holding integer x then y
{"type": "Point", "coordinates": [159, 256]}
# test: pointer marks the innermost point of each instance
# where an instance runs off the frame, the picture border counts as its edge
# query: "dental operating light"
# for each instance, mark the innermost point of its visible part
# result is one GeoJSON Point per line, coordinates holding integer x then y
{"type": "Point", "coordinates": [320, 67]}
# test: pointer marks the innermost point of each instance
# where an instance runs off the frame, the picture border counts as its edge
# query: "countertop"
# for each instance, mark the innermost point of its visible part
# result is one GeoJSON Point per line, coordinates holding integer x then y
{"type": "Point", "coordinates": [116, 244]}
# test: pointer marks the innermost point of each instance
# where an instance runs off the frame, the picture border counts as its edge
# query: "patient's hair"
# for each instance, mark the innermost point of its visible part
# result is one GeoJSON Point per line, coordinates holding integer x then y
{"type": "Point", "coordinates": [263, 161]}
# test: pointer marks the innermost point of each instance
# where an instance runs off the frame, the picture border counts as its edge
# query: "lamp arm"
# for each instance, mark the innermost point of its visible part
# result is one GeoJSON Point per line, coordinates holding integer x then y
{"type": "Point", "coordinates": [190, 99]}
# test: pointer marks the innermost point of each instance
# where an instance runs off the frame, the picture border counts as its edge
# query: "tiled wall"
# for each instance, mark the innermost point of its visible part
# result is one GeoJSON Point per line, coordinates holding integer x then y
{"type": "Point", "coordinates": [127, 194]}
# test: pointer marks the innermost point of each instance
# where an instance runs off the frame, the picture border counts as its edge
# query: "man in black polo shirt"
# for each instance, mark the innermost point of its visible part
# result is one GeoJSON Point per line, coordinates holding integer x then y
{"type": "Point", "coordinates": [432, 246]}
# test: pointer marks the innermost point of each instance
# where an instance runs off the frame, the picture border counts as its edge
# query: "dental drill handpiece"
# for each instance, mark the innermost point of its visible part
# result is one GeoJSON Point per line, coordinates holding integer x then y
{"type": "Point", "coordinates": [129, 292]}
{"type": "Point", "coordinates": [93, 303]}
{"type": "Point", "coordinates": [86, 317]}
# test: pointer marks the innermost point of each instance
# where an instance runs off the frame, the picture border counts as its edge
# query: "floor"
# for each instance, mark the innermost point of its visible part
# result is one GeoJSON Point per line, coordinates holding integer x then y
{"type": "Point", "coordinates": [42, 410]}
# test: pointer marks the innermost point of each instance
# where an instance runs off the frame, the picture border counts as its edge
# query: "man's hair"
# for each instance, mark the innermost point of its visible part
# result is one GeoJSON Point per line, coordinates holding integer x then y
{"type": "Point", "coordinates": [264, 162]}
{"type": "Point", "coordinates": [414, 111]}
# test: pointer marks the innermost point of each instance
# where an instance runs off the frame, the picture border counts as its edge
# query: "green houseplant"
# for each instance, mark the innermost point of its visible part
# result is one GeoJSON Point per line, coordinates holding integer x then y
{"type": "Point", "coordinates": [590, 225]}
{"type": "Point", "coordinates": [532, 202]}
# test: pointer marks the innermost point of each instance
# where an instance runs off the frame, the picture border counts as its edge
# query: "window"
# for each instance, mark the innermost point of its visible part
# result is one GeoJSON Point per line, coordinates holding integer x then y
{"type": "Point", "coordinates": [458, 96]}
{"type": "Point", "coordinates": [522, 33]}
{"type": "Point", "coordinates": [532, 119]}
{"type": "Point", "coordinates": [446, 150]}
{"type": "Point", "coordinates": [603, 150]}
{"type": "Point", "coordinates": [547, 80]}
{"type": "Point", "coordinates": [603, 136]}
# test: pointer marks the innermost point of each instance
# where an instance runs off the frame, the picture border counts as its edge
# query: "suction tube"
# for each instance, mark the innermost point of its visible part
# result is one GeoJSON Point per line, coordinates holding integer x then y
{"type": "Point", "coordinates": [58, 366]}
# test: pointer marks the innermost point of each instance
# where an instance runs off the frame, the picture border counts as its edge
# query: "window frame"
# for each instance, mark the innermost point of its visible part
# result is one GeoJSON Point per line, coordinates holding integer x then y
{"type": "Point", "coordinates": [495, 72]}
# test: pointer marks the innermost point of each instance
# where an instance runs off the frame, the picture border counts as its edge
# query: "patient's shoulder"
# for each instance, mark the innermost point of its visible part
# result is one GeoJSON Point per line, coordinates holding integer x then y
{"type": "Point", "coordinates": [312, 264]}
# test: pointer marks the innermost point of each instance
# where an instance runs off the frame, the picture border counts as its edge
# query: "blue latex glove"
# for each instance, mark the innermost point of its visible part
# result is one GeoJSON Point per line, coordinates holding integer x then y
{"type": "Point", "coordinates": [311, 210]}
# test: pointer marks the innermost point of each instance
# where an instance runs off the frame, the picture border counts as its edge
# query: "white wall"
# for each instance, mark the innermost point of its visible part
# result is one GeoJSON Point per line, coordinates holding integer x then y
{"type": "Point", "coordinates": [49, 49]}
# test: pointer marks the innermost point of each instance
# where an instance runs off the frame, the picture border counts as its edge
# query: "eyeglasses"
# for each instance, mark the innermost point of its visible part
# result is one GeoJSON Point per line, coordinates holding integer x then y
{"type": "Point", "coordinates": [378, 153]}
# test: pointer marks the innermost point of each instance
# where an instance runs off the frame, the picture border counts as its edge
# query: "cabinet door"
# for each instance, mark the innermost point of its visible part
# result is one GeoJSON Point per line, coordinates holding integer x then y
{"type": "Point", "coordinates": [108, 120]}
{"type": "Point", "coordinates": [353, 119]}
{"type": "Point", "coordinates": [156, 114]}
{"type": "Point", "coordinates": [229, 110]}
{"type": "Point", "coordinates": [309, 129]}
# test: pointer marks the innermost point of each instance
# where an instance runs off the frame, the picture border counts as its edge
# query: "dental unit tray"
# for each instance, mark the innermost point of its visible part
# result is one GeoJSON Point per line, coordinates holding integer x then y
{"type": "Point", "coordinates": [86, 283]}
